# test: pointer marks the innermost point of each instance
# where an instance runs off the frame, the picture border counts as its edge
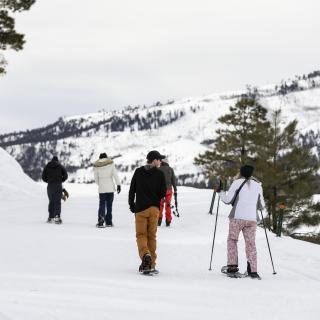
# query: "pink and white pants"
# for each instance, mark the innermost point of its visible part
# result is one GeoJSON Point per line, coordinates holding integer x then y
{"type": "Point", "coordinates": [248, 229]}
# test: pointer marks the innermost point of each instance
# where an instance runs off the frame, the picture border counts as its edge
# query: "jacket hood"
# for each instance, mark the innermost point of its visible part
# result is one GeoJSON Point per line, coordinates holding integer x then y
{"type": "Point", "coordinates": [102, 162]}
{"type": "Point", "coordinates": [53, 164]}
{"type": "Point", "coordinates": [164, 164]}
{"type": "Point", "coordinates": [149, 169]}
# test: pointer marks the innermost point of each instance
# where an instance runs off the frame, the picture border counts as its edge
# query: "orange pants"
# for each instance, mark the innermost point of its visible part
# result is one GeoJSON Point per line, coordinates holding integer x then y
{"type": "Point", "coordinates": [146, 232]}
{"type": "Point", "coordinates": [167, 204]}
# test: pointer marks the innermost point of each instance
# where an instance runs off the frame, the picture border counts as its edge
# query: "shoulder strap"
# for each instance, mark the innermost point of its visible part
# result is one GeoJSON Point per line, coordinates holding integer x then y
{"type": "Point", "coordinates": [237, 192]}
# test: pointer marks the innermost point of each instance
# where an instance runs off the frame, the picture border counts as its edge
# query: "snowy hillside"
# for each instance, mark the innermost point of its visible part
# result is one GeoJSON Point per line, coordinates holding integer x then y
{"type": "Point", "coordinates": [75, 271]}
{"type": "Point", "coordinates": [14, 183]}
{"type": "Point", "coordinates": [181, 130]}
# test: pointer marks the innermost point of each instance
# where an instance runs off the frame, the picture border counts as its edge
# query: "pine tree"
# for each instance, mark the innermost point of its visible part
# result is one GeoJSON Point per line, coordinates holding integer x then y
{"type": "Point", "coordinates": [288, 171]}
{"type": "Point", "coordinates": [241, 130]}
{"type": "Point", "coordinates": [9, 38]}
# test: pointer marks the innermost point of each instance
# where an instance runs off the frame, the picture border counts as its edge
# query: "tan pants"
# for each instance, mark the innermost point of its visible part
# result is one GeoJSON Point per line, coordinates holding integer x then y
{"type": "Point", "coordinates": [146, 232]}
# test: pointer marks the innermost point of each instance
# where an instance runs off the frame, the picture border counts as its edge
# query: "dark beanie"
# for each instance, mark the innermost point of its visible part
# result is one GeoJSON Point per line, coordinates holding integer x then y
{"type": "Point", "coordinates": [55, 158]}
{"type": "Point", "coordinates": [246, 171]}
{"type": "Point", "coordinates": [103, 156]}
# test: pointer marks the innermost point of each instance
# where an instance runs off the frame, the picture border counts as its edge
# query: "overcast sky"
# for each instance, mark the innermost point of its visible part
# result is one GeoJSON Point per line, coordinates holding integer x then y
{"type": "Point", "coordinates": [82, 56]}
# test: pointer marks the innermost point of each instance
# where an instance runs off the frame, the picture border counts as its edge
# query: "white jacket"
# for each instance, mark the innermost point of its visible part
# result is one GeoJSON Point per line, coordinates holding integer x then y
{"type": "Point", "coordinates": [105, 175]}
{"type": "Point", "coordinates": [249, 201]}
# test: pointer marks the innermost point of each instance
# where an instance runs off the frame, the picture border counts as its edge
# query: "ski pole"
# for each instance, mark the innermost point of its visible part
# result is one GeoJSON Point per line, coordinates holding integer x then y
{"type": "Point", "coordinates": [176, 203]}
{"type": "Point", "coordinates": [214, 234]}
{"type": "Point", "coordinates": [212, 201]}
{"type": "Point", "coordinates": [265, 231]}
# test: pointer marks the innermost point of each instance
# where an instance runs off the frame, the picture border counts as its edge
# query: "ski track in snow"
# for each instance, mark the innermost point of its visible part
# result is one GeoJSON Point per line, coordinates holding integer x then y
{"type": "Point", "coordinates": [76, 271]}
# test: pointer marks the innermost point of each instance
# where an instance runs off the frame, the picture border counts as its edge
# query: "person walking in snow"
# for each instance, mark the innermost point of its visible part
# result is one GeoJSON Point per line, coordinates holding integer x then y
{"type": "Point", "coordinates": [147, 188]}
{"type": "Point", "coordinates": [54, 174]}
{"type": "Point", "coordinates": [170, 184]}
{"type": "Point", "coordinates": [106, 177]}
{"type": "Point", "coordinates": [246, 196]}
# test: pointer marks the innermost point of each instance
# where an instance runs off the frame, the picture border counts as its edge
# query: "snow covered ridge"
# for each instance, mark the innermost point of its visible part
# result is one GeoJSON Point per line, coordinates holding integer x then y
{"type": "Point", "coordinates": [181, 130]}
{"type": "Point", "coordinates": [14, 183]}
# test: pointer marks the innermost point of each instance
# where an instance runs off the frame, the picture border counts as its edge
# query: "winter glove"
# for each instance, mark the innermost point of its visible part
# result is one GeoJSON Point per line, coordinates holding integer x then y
{"type": "Point", "coordinates": [219, 187]}
{"type": "Point", "coordinates": [132, 208]}
{"type": "Point", "coordinates": [119, 189]}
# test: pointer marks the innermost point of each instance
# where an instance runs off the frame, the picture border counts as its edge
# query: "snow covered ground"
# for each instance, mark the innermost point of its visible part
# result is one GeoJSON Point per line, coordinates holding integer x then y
{"type": "Point", "coordinates": [76, 271]}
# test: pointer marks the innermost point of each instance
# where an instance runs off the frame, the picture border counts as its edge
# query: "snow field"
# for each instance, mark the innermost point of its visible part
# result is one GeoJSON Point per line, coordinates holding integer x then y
{"type": "Point", "coordinates": [76, 271]}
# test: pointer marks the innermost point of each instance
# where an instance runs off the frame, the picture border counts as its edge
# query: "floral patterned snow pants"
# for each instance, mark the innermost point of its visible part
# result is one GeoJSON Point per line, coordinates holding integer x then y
{"type": "Point", "coordinates": [248, 229]}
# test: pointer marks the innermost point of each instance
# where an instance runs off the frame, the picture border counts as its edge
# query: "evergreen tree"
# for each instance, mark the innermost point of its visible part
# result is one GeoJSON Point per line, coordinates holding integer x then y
{"type": "Point", "coordinates": [9, 37]}
{"type": "Point", "coordinates": [287, 169]}
{"type": "Point", "coordinates": [289, 174]}
{"type": "Point", "coordinates": [241, 130]}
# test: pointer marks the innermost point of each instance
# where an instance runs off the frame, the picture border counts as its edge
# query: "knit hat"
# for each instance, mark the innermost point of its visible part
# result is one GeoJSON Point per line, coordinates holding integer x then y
{"type": "Point", "coordinates": [246, 171]}
{"type": "Point", "coordinates": [103, 155]}
{"type": "Point", "coordinates": [55, 158]}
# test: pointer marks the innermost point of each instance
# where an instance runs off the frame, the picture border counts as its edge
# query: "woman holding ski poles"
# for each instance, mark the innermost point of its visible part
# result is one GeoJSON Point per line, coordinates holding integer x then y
{"type": "Point", "coordinates": [246, 197]}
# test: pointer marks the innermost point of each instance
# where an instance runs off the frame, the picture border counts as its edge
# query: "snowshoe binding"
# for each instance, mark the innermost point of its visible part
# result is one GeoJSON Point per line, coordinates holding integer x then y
{"type": "Point", "coordinates": [232, 271]}
{"type": "Point", "coordinates": [57, 220]}
{"type": "Point", "coordinates": [154, 271]}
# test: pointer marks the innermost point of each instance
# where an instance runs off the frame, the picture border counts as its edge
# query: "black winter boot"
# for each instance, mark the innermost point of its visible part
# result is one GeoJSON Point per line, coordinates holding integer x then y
{"type": "Point", "coordinates": [145, 266]}
{"type": "Point", "coordinates": [253, 275]}
{"type": "Point", "coordinates": [159, 222]}
{"type": "Point", "coordinates": [100, 223]}
{"type": "Point", "coordinates": [168, 223]}
{"type": "Point", "coordinates": [248, 267]}
{"type": "Point", "coordinates": [232, 268]}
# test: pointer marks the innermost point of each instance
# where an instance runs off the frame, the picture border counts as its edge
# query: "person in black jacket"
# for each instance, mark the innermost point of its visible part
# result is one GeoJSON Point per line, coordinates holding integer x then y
{"type": "Point", "coordinates": [147, 188]}
{"type": "Point", "coordinates": [54, 174]}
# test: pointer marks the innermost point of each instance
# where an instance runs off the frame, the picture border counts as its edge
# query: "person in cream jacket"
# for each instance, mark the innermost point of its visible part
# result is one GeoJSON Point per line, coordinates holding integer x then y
{"type": "Point", "coordinates": [106, 177]}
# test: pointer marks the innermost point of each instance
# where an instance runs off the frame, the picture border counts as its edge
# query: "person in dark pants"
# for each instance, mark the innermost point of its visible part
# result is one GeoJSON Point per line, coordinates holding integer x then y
{"type": "Point", "coordinates": [54, 174]}
{"type": "Point", "coordinates": [106, 177]}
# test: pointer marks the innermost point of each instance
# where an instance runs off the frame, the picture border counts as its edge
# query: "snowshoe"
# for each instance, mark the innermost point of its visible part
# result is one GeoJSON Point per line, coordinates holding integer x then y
{"type": "Point", "coordinates": [100, 224]}
{"type": "Point", "coordinates": [230, 268]}
{"type": "Point", "coordinates": [232, 272]}
{"type": "Point", "coordinates": [154, 271]}
{"type": "Point", "coordinates": [50, 220]}
{"type": "Point", "coordinates": [236, 275]}
{"type": "Point", "coordinates": [57, 220]}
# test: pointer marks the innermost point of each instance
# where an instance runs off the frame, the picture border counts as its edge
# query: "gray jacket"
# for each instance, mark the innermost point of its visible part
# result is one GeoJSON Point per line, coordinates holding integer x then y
{"type": "Point", "coordinates": [169, 176]}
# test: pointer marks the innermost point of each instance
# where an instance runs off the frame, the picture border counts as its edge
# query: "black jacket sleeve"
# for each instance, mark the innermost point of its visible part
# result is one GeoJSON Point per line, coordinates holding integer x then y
{"type": "Point", "coordinates": [44, 174]}
{"type": "Point", "coordinates": [64, 174]}
{"type": "Point", "coordinates": [132, 190]}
